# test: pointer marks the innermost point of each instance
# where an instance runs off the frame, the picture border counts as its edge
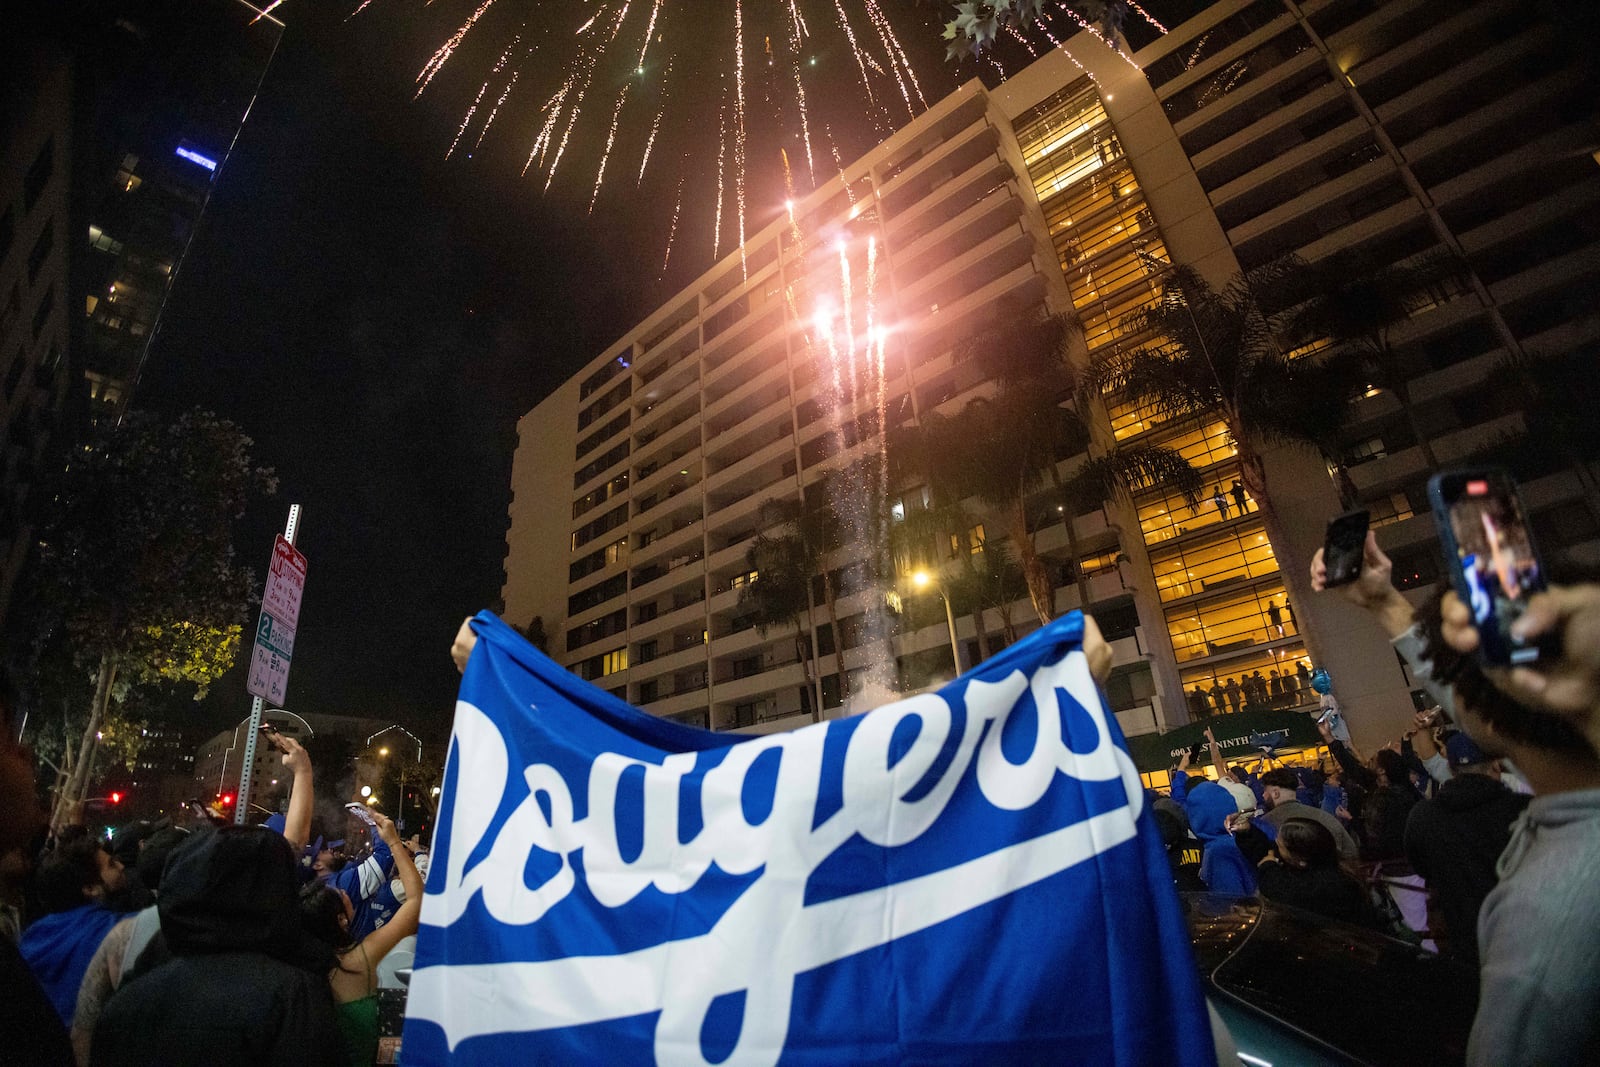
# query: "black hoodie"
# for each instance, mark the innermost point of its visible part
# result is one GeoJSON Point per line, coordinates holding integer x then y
{"type": "Point", "coordinates": [1454, 841]}
{"type": "Point", "coordinates": [244, 984]}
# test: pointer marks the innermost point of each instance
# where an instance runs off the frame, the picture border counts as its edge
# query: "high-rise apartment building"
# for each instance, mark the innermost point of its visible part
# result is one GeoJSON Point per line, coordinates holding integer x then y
{"type": "Point", "coordinates": [117, 117]}
{"type": "Point", "coordinates": [1258, 129]}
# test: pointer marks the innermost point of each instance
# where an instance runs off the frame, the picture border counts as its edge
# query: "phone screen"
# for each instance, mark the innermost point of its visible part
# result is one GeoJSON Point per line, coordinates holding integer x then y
{"type": "Point", "coordinates": [360, 811]}
{"type": "Point", "coordinates": [1344, 547]}
{"type": "Point", "coordinates": [1496, 568]}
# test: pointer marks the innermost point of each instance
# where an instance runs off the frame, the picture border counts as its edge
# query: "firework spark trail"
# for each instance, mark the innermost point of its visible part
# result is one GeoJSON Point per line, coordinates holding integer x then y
{"type": "Point", "coordinates": [552, 113]}
{"type": "Point", "coordinates": [649, 32]}
{"type": "Point", "coordinates": [796, 31]}
{"type": "Point", "coordinates": [611, 139]}
{"type": "Point", "coordinates": [495, 111]}
{"type": "Point", "coordinates": [739, 144]}
{"type": "Point", "coordinates": [264, 12]}
{"type": "Point", "coordinates": [436, 63]}
{"type": "Point", "coordinates": [364, 5]}
{"type": "Point", "coordinates": [855, 50]}
{"type": "Point", "coordinates": [655, 128]}
{"type": "Point", "coordinates": [722, 153]}
{"type": "Point", "coordinates": [1147, 17]}
{"type": "Point", "coordinates": [467, 121]}
{"type": "Point", "coordinates": [673, 232]}
{"type": "Point", "coordinates": [1085, 24]}
{"type": "Point", "coordinates": [897, 60]}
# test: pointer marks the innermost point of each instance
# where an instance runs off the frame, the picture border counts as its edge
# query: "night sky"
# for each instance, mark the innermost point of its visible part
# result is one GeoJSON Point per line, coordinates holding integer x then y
{"type": "Point", "coordinates": [377, 320]}
{"type": "Point", "coordinates": [377, 317]}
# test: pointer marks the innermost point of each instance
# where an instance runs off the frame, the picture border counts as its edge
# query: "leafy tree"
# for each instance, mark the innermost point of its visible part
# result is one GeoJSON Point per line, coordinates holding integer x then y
{"type": "Point", "coordinates": [1213, 354]}
{"type": "Point", "coordinates": [1357, 301]}
{"type": "Point", "coordinates": [1003, 448]}
{"type": "Point", "coordinates": [979, 22]}
{"type": "Point", "coordinates": [786, 556]}
{"type": "Point", "coordinates": [136, 555]}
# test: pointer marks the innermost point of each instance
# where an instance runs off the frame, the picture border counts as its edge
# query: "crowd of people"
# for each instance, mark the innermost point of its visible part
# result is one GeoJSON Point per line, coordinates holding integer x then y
{"type": "Point", "coordinates": [195, 941]}
{"type": "Point", "coordinates": [1250, 692]}
{"type": "Point", "coordinates": [1476, 834]}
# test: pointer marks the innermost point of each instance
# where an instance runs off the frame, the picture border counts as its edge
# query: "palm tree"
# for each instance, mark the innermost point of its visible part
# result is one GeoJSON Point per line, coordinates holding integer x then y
{"type": "Point", "coordinates": [1357, 302]}
{"type": "Point", "coordinates": [786, 556]}
{"type": "Point", "coordinates": [780, 595]}
{"type": "Point", "coordinates": [915, 545]}
{"type": "Point", "coordinates": [1022, 433]}
{"type": "Point", "coordinates": [1213, 354]}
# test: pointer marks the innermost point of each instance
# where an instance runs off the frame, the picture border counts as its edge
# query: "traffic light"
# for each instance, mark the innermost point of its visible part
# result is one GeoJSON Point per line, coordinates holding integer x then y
{"type": "Point", "coordinates": [227, 800]}
{"type": "Point", "coordinates": [116, 798]}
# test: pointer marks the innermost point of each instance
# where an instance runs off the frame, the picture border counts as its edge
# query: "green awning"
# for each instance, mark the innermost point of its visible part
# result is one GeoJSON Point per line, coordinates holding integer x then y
{"type": "Point", "coordinates": [1291, 730]}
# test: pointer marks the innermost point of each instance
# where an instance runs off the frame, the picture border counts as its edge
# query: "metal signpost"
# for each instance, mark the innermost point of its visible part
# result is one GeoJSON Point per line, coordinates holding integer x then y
{"type": "Point", "coordinates": [269, 659]}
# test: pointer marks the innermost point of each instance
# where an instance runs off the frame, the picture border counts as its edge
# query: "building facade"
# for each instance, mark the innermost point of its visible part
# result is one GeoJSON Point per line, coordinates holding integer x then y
{"type": "Point", "coordinates": [116, 121]}
{"type": "Point", "coordinates": [1253, 131]}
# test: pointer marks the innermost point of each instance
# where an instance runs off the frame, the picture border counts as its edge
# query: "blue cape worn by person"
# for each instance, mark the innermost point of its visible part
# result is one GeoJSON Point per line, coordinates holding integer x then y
{"type": "Point", "coordinates": [968, 875]}
{"type": "Point", "coordinates": [58, 949]}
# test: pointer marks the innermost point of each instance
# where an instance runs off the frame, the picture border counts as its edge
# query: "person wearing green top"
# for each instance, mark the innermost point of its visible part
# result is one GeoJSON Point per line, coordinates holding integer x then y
{"type": "Point", "coordinates": [326, 913]}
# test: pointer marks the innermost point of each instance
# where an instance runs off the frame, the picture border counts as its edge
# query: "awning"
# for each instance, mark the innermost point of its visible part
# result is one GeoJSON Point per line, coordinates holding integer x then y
{"type": "Point", "coordinates": [1240, 735]}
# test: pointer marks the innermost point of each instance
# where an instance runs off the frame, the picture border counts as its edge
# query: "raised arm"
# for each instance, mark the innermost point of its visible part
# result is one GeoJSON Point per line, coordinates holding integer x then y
{"type": "Point", "coordinates": [297, 823]}
{"type": "Point", "coordinates": [1217, 763]}
{"type": "Point", "coordinates": [381, 941]}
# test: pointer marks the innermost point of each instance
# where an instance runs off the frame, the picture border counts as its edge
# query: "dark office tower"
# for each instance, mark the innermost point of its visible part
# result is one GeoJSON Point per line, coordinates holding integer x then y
{"type": "Point", "coordinates": [116, 120]}
{"type": "Point", "coordinates": [168, 88]}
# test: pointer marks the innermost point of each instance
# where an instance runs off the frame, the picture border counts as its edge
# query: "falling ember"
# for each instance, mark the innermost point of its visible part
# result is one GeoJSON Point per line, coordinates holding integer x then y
{"type": "Point", "coordinates": [436, 63]}
{"type": "Point", "coordinates": [611, 139]}
{"type": "Point", "coordinates": [606, 46]}
{"type": "Point", "coordinates": [677, 207]}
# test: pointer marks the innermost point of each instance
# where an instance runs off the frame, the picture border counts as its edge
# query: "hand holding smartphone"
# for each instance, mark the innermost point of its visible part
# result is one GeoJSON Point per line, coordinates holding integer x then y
{"type": "Point", "coordinates": [360, 811]}
{"type": "Point", "coordinates": [1342, 547]}
{"type": "Point", "coordinates": [1490, 554]}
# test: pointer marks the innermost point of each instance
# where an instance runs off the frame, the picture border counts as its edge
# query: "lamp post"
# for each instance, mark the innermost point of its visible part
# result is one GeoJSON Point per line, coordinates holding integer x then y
{"type": "Point", "coordinates": [922, 579]}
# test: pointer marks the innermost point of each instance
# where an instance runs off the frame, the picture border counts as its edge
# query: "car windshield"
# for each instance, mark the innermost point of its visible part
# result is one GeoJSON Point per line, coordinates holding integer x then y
{"type": "Point", "coordinates": [1379, 1000]}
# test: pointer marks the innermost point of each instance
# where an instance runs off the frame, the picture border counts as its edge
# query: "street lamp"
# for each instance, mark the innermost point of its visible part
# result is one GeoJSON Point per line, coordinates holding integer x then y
{"type": "Point", "coordinates": [922, 579]}
{"type": "Point", "coordinates": [383, 751]}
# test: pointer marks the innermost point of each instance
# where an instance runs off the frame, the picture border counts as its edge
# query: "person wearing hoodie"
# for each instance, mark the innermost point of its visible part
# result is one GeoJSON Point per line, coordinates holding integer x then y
{"type": "Point", "coordinates": [241, 983]}
{"type": "Point", "coordinates": [1539, 927]}
{"type": "Point", "coordinates": [1223, 867]}
{"type": "Point", "coordinates": [72, 884]}
{"type": "Point", "coordinates": [1455, 840]}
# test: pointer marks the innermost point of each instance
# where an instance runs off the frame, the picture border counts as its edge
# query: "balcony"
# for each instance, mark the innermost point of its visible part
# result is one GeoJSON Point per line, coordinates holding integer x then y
{"type": "Point", "coordinates": [774, 375]}
{"type": "Point", "coordinates": [789, 676]}
{"type": "Point", "coordinates": [1407, 466]}
{"type": "Point", "coordinates": [677, 659]}
{"type": "Point", "coordinates": [748, 474]}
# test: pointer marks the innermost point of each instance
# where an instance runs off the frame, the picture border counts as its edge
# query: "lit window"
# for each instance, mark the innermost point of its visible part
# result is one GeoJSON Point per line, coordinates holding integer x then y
{"type": "Point", "coordinates": [612, 662]}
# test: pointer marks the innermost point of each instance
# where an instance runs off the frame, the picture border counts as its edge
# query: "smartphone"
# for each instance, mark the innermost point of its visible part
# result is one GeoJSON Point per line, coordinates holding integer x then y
{"type": "Point", "coordinates": [361, 812]}
{"type": "Point", "coordinates": [1489, 551]}
{"type": "Point", "coordinates": [1195, 751]}
{"type": "Point", "coordinates": [1344, 546]}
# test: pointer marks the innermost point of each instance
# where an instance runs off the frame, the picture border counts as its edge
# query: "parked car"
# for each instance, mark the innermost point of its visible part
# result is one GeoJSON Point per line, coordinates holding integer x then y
{"type": "Point", "coordinates": [1295, 988]}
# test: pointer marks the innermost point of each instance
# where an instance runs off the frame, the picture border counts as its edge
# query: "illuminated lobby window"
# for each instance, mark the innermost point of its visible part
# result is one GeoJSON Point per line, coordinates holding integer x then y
{"type": "Point", "coordinates": [1229, 623]}
{"type": "Point", "coordinates": [1230, 558]}
{"type": "Point", "coordinates": [1162, 518]}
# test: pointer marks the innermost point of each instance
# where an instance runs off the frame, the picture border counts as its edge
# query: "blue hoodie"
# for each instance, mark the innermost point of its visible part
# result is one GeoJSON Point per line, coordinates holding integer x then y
{"type": "Point", "coordinates": [58, 949]}
{"type": "Point", "coordinates": [1223, 868]}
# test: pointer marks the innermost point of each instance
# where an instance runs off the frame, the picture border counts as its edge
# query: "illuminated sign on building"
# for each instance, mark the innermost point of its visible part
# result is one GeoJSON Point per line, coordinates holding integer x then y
{"type": "Point", "coordinates": [195, 157]}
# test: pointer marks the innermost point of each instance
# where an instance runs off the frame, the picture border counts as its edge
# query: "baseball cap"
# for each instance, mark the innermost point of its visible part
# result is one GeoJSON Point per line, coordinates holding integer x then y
{"type": "Point", "coordinates": [1461, 751]}
{"type": "Point", "coordinates": [1242, 794]}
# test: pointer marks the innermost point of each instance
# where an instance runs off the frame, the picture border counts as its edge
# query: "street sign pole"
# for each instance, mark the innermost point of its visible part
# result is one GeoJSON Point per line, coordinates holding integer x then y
{"type": "Point", "coordinates": [241, 806]}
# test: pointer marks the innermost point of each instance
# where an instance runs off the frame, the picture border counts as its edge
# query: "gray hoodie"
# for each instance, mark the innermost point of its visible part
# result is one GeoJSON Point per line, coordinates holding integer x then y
{"type": "Point", "coordinates": [1539, 936]}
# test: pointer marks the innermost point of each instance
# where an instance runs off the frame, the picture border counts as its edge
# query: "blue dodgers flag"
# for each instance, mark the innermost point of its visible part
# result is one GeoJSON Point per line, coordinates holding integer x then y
{"type": "Point", "coordinates": [963, 876]}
